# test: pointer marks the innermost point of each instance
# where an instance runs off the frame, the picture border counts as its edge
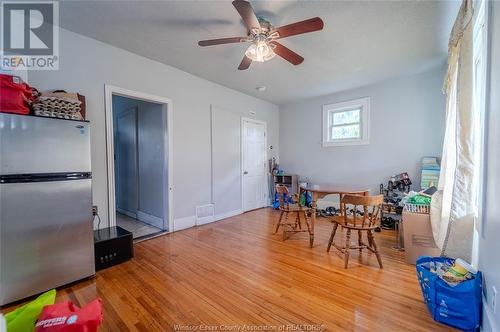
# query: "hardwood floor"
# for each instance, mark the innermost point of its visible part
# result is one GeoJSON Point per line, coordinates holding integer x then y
{"type": "Point", "coordinates": [236, 272]}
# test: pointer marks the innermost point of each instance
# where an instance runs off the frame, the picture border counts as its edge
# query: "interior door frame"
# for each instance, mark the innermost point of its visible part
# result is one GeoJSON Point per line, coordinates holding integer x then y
{"type": "Point", "coordinates": [266, 178]}
{"type": "Point", "coordinates": [168, 209]}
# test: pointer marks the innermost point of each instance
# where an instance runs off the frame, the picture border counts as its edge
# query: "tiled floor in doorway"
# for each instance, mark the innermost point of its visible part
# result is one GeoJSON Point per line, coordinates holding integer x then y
{"type": "Point", "coordinates": [138, 228]}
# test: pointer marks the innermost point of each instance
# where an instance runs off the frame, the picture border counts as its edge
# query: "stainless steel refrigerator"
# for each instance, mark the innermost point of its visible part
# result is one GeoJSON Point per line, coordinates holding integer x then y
{"type": "Point", "coordinates": [46, 232]}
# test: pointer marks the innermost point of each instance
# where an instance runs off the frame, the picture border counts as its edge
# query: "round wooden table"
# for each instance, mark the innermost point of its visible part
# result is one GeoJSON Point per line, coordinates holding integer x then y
{"type": "Point", "coordinates": [320, 190]}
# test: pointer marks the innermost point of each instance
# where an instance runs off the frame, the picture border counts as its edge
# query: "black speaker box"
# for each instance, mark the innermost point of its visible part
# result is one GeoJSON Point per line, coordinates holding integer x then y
{"type": "Point", "coordinates": [112, 246]}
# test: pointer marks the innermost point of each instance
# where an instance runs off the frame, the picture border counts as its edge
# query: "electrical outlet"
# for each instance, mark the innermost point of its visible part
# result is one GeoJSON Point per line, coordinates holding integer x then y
{"type": "Point", "coordinates": [493, 299]}
{"type": "Point", "coordinates": [94, 210]}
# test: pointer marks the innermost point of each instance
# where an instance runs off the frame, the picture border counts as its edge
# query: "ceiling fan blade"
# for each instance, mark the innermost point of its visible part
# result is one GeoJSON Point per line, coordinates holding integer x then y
{"type": "Point", "coordinates": [310, 25]}
{"type": "Point", "coordinates": [287, 53]}
{"type": "Point", "coordinates": [247, 14]}
{"type": "Point", "coordinates": [220, 41]}
{"type": "Point", "coordinates": [245, 63]}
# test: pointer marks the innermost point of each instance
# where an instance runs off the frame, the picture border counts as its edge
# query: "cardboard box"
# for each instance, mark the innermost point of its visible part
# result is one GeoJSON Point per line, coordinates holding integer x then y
{"type": "Point", "coordinates": [418, 238]}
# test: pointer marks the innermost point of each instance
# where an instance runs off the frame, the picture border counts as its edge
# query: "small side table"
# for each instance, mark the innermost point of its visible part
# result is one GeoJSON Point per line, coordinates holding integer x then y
{"type": "Point", "coordinates": [395, 212]}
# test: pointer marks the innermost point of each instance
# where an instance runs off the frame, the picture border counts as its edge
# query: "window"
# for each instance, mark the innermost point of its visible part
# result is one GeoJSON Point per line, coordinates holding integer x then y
{"type": "Point", "coordinates": [346, 123]}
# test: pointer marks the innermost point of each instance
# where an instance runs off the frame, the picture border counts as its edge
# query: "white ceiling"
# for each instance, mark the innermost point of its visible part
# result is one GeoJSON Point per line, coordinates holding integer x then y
{"type": "Point", "coordinates": [363, 42]}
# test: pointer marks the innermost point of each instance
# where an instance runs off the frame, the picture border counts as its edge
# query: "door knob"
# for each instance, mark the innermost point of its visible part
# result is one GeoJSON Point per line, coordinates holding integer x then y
{"type": "Point", "coordinates": [245, 173]}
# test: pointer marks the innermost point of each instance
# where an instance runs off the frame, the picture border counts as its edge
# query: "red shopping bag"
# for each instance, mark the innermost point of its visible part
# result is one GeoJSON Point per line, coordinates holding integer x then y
{"type": "Point", "coordinates": [67, 317]}
{"type": "Point", "coordinates": [15, 95]}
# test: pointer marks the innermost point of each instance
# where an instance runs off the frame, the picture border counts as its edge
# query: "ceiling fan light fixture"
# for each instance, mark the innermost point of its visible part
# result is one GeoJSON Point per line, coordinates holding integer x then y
{"type": "Point", "coordinates": [263, 36]}
{"type": "Point", "coordinates": [260, 51]}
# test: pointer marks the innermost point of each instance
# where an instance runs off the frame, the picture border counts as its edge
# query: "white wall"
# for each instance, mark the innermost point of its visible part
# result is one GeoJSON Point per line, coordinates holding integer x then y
{"type": "Point", "coordinates": [226, 152]}
{"type": "Point", "coordinates": [489, 243]}
{"type": "Point", "coordinates": [407, 123]}
{"type": "Point", "coordinates": [86, 65]}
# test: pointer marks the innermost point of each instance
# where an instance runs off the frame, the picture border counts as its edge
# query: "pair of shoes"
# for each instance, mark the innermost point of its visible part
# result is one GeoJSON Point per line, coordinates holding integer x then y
{"type": "Point", "coordinates": [359, 213]}
{"type": "Point", "coordinates": [330, 211]}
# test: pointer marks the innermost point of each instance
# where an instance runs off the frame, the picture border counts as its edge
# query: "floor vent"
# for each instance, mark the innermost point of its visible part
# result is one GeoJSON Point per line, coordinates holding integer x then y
{"type": "Point", "coordinates": [204, 214]}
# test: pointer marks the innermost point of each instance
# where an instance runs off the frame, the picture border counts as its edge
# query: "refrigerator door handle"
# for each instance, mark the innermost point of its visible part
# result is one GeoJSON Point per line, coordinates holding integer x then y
{"type": "Point", "coordinates": [44, 177]}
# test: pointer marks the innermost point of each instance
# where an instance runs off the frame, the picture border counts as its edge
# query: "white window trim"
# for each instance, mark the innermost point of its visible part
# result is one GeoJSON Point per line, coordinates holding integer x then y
{"type": "Point", "coordinates": [364, 104]}
{"type": "Point", "coordinates": [480, 54]}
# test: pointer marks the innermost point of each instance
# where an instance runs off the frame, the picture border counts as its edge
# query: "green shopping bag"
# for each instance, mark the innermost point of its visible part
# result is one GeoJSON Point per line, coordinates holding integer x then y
{"type": "Point", "coordinates": [23, 319]}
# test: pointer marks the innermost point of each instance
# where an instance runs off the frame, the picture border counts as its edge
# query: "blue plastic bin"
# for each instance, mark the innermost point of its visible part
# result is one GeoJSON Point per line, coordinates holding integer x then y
{"type": "Point", "coordinates": [458, 306]}
{"type": "Point", "coordinates": [276, 203]}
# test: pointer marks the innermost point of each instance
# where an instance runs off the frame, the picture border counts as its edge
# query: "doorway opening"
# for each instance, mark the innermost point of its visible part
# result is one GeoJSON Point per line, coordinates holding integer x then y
{"type": "Point", "coordinates": [138, 163]}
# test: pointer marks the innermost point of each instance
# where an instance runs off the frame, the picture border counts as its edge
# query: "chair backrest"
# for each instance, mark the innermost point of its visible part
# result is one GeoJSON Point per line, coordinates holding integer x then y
{"type": "Point", "coordinates": [283, 195]}
{"type": "Point", "coordinates": [369, 216]}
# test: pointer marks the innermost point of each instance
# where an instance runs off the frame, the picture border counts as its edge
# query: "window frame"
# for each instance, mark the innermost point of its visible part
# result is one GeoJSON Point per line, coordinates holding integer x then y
{"type": "Point", "coordinates": [363, 104]}
{"type": "Point", "coordinates": [480, 54]}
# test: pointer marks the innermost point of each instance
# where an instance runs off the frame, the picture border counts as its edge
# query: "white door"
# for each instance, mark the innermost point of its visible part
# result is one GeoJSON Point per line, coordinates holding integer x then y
{"type": "Point", "coordinates": [254, 164]}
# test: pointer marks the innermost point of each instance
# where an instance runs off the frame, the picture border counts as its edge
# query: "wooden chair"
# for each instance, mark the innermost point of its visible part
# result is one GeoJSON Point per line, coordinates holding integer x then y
{"type": "Point", "coordinates": [286, 208]}
{"type": "Point", "coordinates": [353, 219]}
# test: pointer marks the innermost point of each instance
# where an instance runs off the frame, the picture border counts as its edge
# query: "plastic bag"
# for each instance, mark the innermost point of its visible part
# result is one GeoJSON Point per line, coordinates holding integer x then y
{"type": "Point", "coordinates": [15, 95]}
{"type": "Point", "coordinates": [458, 306]}
{"type": "Point", "coordinates": [306, 198]}
{"type": "Point", "coordinates": [67, 317]}
{"type": "Point", "coordinates": [24, 318]}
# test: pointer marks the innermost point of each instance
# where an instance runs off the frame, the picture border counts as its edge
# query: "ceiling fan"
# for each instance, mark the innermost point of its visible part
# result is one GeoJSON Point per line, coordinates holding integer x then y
{"type": "Point", "coordinates": [264, 36]}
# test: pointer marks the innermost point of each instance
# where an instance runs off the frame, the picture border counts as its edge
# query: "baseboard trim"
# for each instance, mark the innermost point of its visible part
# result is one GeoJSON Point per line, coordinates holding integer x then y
{"type": "Point", "coordinates": [183, 223]}
{"type": "Point", "coordinates": [150, 219]}
{"type": "Point", "coordinates": [188, 222]}
{"type": "Point", "coordinates": [218, 217]}
{"type": "Point", "coordinates": [127, 213]}
{"type": "Point", "coordinates": [204, 220]}
{"type": "Point", "coordinates": [228, 214]}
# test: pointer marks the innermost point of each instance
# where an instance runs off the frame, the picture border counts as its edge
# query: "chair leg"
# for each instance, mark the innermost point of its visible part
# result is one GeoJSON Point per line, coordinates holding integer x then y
{"type": "Point", "coordinates": [298, 220]}
{"type": "Point", "coordinates": [375, 250]}
{"type": "Point", "coordinates": [279, 222]}
{"type": "Point", "coordinates": [334, 230]}
{"type": "Point", "coordinates": [360, 242]}
{"type": "Point", "coordinates": [308, 229]}
{"type": "Point", "coordinates": [347, 247]}
{"type": "Point", "coordinates": [306, 221]}
{"type": "Point", "coordinates": [284, 226]}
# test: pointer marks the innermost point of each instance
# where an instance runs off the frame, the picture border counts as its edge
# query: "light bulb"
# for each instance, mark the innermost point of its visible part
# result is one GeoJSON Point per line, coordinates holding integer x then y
{"type": "Point", "coordinates": [260, 51]}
